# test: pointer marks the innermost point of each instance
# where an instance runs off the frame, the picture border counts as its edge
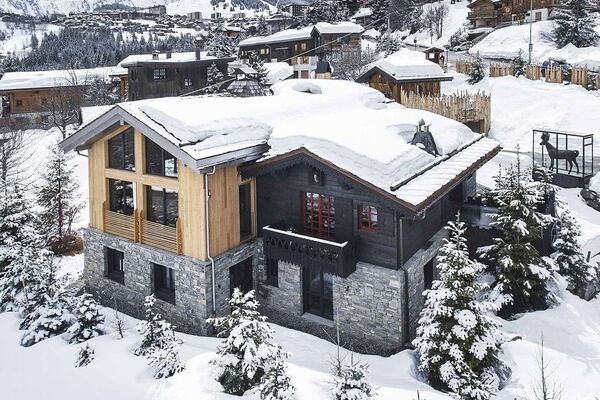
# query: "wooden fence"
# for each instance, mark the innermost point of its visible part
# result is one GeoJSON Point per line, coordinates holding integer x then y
{"type": "Point", "coordinates": [497, 70]}
{"type": "Point", "coordinates": [468, 108]}
{"type": "Point", "coordinates": [533, 72]}
{"type": "Point", "coordinates": [554, 75]}
{"type": "Point", "coordinates": [579, 76]}
{"type": "Point", "coordinates": [463, 67]}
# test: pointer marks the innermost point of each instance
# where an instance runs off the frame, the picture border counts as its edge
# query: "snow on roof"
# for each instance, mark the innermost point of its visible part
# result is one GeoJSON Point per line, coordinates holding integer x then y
{"type": "Point", "coordinates": [278, 71]}
{"type": "Point", "coordinates": [46, 79]}
{"type": "Point", "coordinates": [162, 58]}
{"type": "Point", "coordinates": [304, 33]}
{"type": "Point", "coordinates": [362, 12]}
{"type": "Point", "coordinates": [350, 125]}
{"type": "Point", "coordinates": [409, 64]}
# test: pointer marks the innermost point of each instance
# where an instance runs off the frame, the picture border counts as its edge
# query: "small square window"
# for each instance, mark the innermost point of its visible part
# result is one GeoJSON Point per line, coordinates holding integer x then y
{"type": "Point", "coordinates": [164, 283]}
{"type": "Point", "coordinates": [272, 265]}
{"type": "Point", "coordinates": [113, 260]}
{"type": "Point", "coordinates": [19, 103]}
{"type": "Point", "coordinates": [187, 82]}
{"type": "Point", "coordinates": [160, 74]}
{"type": "Point", "coordinates": [367, 218]}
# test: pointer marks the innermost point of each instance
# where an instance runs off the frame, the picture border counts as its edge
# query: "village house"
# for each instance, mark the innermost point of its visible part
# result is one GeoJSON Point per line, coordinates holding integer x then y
{"type": "Point", "coordinates": [27, 96]}
{"type": "Point", "coordinates": [329, 228]}
{"type": "Point", "coordinates": [146, 76]}
{"type": "Point", "coordinates": [296, 8]}
{"type": "Point", "coordinates": [492, 13]}
{"type": "Point", "coordinates": [304, 47]}
{"type": "Point", "coordinates": [362, 17]}
{"type": "Point", "coordinates": [405, 72]}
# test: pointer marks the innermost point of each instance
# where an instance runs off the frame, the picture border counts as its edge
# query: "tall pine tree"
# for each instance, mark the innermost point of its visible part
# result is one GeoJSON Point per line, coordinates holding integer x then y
{"type": "Point", "coordinates": [213, 80]}
{"type": "Point", "coordinates": [457, 342]}
{"type": "Point", "coordinates": [258, 64]}
{"type": "Point", "coordinates": [379, 17]}
{"type": "Point", "coordinates": [573, 24]}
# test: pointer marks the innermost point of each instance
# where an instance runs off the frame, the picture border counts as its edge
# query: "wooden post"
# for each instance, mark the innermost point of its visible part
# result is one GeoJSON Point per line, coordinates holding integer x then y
{"type": "Point", "coordinates": [178, 236]}
{"type": "Point", "coordinates": [104, 216]}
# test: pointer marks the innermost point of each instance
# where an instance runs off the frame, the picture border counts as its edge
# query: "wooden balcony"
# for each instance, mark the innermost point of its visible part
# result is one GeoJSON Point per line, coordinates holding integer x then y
{"type": "Point", "coordinates": [136, 228]}
{"type": "Point", "coordinates": [333, 257]}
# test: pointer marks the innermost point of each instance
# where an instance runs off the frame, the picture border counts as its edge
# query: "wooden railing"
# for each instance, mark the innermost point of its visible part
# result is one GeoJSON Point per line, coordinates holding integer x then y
{"type": "Point", "coordinates": [136, 228]}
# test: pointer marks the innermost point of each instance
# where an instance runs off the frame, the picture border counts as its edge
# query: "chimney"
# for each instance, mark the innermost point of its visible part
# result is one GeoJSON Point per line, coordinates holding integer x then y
{"type": "Point", "coordinates": [169, 54]}
{"type": "Point", "coordinates": [198, 43]}
{"type": "Point", "coordinates": [155, 54]}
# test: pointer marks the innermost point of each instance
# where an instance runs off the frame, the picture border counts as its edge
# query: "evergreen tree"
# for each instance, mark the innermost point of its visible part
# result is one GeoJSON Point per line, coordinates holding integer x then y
{"type": "Point", "coordinates": [258, 64]}
{"type": "Point", "coordinates": [573, 24]}
{"type": "Point", "coordinates": [275, 385]}
{"type": "Point", "coordinates": [213, 79]}
{"type": "Point", "coordinates": [51, 319]}
{"type": "Point", "coordinates": [379, 16]}
{"type": "Point", "coordinates": [59, 200]}
{"type": "Point", "coordinates": [89, 320]}
{"type": "Point", "coordinates": [262, 29]}
{"type": "Point", "coordinates": [219, 45]}
{"type": "Point", "coordinates": [521, 274]}
{"type": "Point", "coordinates": [85, 355]}
{"type": "Point", "coordinates": [165, 360]}
{"type": "Point", "coordinates": [457, 343]}
{"type": "Point", "coordinates": [518, 64]}
{"type": "Point", "coordinates": [100, 93]}
{"type": "Point", "coordinates": [388, 44]}
{"type": "Point", "coordinates": [350, 382]}
{"type": "Point", "coordinates": [569, 256]}
{"type": "Point", "coordinates": [18, 279]}
{"type": "Point", "coordinates": [477, 70]}
{"type": "Point", "coordinates": [34, 41]}
{"type": "Point", "coordinates": [247, 352]}
{"type": "Point", "coordinates": [153, 329]}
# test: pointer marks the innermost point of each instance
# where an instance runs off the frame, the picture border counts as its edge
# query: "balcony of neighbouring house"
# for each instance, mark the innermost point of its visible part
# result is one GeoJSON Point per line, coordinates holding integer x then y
{"type": "Point", "coordinates": [483, 14]}
{"type": "Point", "coordinates": [337, 258]}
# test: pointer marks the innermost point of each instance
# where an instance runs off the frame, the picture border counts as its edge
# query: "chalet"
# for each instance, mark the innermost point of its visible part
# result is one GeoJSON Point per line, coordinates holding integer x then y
{"type": "Point", "coordinates": [435, 55]}
{"type": "Point", "coordinates": [406, 71]}
{"type": "Point", "coordinates": [27, 96]}
{"type": "Point", "coordinates": [194, 16]}
{"type": "Point", "coordinates": [168, 74]}
{"type": "Point", "coordinates": [279, 21]}
{"type": "Point", "coordinates": [492, 13]}
{"type": "Point", "coordinates": [485, 13]}
{"type": "Point", "coordinates": [329, 228]}
{"type": "Point", "coordinates": [304, 47]}
{"type": "Point", "coordinates": [296, 8]}
{"type": "Point", "coordinates": [362, 17]}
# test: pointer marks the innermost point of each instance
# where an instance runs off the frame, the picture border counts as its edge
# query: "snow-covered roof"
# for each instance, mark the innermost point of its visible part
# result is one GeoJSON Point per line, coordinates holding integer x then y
{"type": "Point", "coordinates": [406, 64]}
{"type": "Point", "coordinates": [351, 126]}
{"type": "Point", "coordinates": [288, 35]}
{"type": "Point", "coordinates": [162, 58]}
{"type": "Point", "coordinates": [47, 79]}
{"type": "Point", "coordinates": [278, 71]}
{"type": "Point", "coordinates": [362, 12]}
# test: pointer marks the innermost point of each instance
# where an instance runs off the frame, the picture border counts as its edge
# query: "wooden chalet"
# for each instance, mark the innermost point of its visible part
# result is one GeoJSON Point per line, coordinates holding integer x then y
{"type": "Point", "coordinates": [190, 205]}
{"type": "Point", "coordinates": [405, 71]}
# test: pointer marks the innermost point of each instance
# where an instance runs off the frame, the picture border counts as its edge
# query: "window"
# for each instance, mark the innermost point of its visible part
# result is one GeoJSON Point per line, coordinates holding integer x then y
{"type": "Point", "coordinates": [160, 74]}
{"type": "Point", "coordinates": [19, 103]}
{"type": "Point", "coordinates": [319, 215]}
{"type": "Point", "coordinates": [164, 283]}
{"type": "Point", "coordinates": [264, 51]}
{"type": "Point", "coordinates": [44, 101]}
{"type": "Point", "coordinates": [159, 161]}
{"type": "Point", "coordinates": [187, 82]}
{"type": "Point", "coordinates": [162, 206]}
{"type": "Point", "coordinates": [367, 218]}
{"type": "Point", "coordinates": [272, 266]}
{"type": "Point", "coordinates": [121, 151]}
{"type": "Point", "coordinates": [120, 195]}
{"type": "Point", "coordinates": [318, 292]}
{"type": "Point", "coordinates": [245, 211]}
{"type": "Point", "coordinates": [113, 262]}
{"type": "Point", "coordinates": [428, 274]}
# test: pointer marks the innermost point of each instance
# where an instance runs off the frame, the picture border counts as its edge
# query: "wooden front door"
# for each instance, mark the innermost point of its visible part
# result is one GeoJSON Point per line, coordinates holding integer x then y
{"type": "Point", "coordinates": [240, 276]}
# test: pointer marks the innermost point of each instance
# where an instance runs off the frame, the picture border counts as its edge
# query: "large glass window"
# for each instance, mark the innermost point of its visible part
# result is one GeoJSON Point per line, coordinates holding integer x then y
{"type": "Point", "coordinates": [121, 152]}
{"type": "Point", "coordinates": [319, 215]}
{"type": "Point", "coordinates": [159, 161]}
{"type": "Point", "coordinates": [162, 206]}
{"type": "Point", "coordinates": [120, 195]}
{"type": "Point", "coordinates": [367, 218]}
{"type": "Point", "coordinates": [164, 283]}
{"type": "Point", "coordinates": [113, 260]}
{"type": "Point", "coordinates": [318, 292]}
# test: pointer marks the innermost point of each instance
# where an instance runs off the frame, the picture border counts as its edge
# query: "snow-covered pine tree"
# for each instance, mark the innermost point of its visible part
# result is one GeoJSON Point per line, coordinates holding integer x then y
{"type": "Point", "coordinates": [213, 79]}
{"type": "Point", "coordinates": [100, 93]}
{"type": "Point", "coordinates": [85, 355]}
{"type": "Point", "coordinates": [350, 382]}
{"type": "Point", "coordinates": [477, 70]}
{"type": "Point", "coordinates": [58, 197]}
{"type": "Point", "coordinates": [521, 274]}
{"type": "Point", "coordinates": [165, 360]}
{"type": "Point", "coordinates": [574, 24]}
{"type": "Point", "coordinates": [247, 352]}
{"type": "Point", "coordinates": [153, 329]}
{"type": "Point", "coordinates": [18, 279]}
{"type": "Point", "coordinates": [258, 64]}
{"type": "Point", "coordinates": [387, 44]}
{"type": "Point", "coordinates": [89, 320]}
{"type": "Point", "coordinates": [275, 384]}
{"type": "Point", "coordinates": [220, 45]}
{"type": "Point", "coordinates": [51, 319]}
{"type": "Point", "coordinates": [518, 64]}
{"type": "Point", "coordinates": [380, 14]}
{"type": "Point", "coordinates": [262, 29]}
{"type": "Point", "coordinates": [569, 256]}
{"type": "Point", "coordinates": [457, 342]}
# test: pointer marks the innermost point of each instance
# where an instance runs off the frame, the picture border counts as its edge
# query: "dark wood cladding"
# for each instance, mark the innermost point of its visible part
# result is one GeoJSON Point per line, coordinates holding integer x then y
{"type": "Point", "coordinates": [332, 257]}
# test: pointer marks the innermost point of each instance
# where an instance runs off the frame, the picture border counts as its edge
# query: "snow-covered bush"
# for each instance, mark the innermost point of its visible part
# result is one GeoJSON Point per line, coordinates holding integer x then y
{"type": "Point", "coordinates": [570, 259]}
{"type": "Point", "coordinates": [89, 320]}
{"type": "Point", "coordinates": [220, 45]}
{"type": "Point", "coordinates": [477, 70]}
{"type": "Point", "coordinates": [213, 78]}
{"type": "Point", "coordinates": [165, 359]}
{"type": "Point", "coordinates": [350, 382]}
{"type": "Point", "coordinates": [521, 274]}
{"type": "Point", "coordinates": [258, 64]}
{"type": "Point", "coordinates": [457, 342]}
{"type": "Point", "coordinates": [247, 352]}
{"type": "Point", "coordinates": [275, 385]}
{"type": "Point", "coordinates": [85, 355]}
{"type": "Point", "coordinates": [153, 329]}
{"type": "Point", "coordinates": [573, 24]}
{"type": "Point", "coordinates": [51, 319]}
{"type": "Point", "coordinates": [518, 64]}
{"type": "Point", "coordinates": [387, 44]}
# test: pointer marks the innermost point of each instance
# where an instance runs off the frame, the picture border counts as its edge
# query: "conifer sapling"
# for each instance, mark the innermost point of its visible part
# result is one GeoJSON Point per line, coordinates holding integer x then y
{"type": "Point", "coordinates": [89, 320]}
{"type": "Point", "coordinates": [85, 355]}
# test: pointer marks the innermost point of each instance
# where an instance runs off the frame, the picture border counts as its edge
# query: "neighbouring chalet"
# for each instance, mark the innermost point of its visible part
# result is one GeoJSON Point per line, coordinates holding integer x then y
{"type": "Point", "coordinates": [147, 76]}
{"type": "Point", "coordinates": [363, 17]}
{"type": "Point", "coordinates": [304, 47]}
{"type": "Point", "coordinates": [27, 96]}
{"type": "Point", "coordinates": [333, 219]}
{"type": "Point", "coordinates": [406, 71]}
{"type": "Point", "coordinates": [493, 13]}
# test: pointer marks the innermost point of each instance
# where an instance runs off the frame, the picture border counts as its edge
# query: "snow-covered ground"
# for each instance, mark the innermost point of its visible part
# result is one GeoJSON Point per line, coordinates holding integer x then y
{"type": "Point", "coordinates": [505, 44]}
{"type": "Point", "coordinates": [18, 36]}
{"type": "Point", "coordinates": [457, 16]}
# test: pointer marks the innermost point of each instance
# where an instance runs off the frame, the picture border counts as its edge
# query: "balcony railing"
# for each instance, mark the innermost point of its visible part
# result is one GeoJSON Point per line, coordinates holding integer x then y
{"type": "Point", "coordinates": [136, 228]}
{"type": "Point", "coordinates": [483, 14]}
{"type": "Point", "coordinates": [333, 257]}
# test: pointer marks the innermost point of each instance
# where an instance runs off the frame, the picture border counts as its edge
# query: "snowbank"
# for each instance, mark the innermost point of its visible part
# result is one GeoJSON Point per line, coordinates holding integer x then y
{"type": "Point", "coordinates": [409, 64]}
{"type": "Point", "coordinates": [457, 16]}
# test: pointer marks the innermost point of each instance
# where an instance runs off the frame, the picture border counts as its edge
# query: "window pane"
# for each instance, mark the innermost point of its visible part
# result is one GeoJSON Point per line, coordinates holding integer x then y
{"type": "Point", "coordinates": [162, 205]}
{"type": "Point", "coordinates": [128, 150]}
{"type": "Point", "coordinates": [114, 264]}
{"type": "Point", "coordinates": [121, 196]}
{"type": "Point", "coordinates": [121, 151]}
{"type": "Point", "coordinates": [153, 158]}
{"type": "Point", "coordinates": [164, 283]}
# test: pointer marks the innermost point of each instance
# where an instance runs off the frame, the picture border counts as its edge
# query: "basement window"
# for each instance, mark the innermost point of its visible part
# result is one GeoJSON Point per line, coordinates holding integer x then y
{"type": "Point", "coordinates": [272, 266]}
{"type": "Point", "coordinates": [164, 283]}
{"type": "Point", "coordinates": [113, 262]}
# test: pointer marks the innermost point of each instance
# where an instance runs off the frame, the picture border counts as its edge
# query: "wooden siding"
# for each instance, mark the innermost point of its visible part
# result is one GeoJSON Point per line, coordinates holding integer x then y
{"type": "Point", "coordinates": [395, 90]}
{"type": "Point", "coordinates": [30, 100]}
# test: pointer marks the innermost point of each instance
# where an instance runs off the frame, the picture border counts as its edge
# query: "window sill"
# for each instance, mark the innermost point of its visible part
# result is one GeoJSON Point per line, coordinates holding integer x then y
{"type": "Point", "coordinates": [166, 297]}
{"type": "Point", "coordinates": [317, 319]}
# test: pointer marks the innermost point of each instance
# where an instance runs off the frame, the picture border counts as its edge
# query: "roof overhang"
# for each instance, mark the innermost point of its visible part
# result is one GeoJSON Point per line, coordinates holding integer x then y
{"type": "Point", "coordinates": [364, 78]}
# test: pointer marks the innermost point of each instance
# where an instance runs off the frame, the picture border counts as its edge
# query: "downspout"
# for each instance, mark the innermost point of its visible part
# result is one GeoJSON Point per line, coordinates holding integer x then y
{"type": "Point", "coordinates": [207, 224]}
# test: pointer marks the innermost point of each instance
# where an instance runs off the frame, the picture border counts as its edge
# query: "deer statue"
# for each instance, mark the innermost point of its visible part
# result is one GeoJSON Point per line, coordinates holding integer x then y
{"type": "Point", "coordinates": [569, 155]}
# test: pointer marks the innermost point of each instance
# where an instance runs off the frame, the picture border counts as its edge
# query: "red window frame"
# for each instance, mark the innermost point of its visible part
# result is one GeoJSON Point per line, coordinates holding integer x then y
{"type": "Point", "coordinates": [318, 213]}
{"type": "Point", "coordinates": [367, 218]}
